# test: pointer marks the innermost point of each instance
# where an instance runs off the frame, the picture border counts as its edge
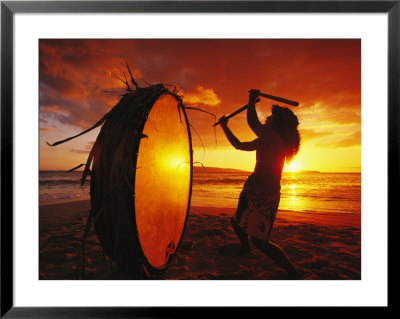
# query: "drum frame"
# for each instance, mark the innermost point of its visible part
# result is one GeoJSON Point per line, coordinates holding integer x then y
{"type": "Point", "coordinates": [128, 266]}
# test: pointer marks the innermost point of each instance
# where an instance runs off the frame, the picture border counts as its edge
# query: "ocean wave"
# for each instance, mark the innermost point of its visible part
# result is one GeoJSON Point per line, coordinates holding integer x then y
{"type": "Point", "coordinates": [321, 197]}
{"type": "Point", "coordinates": [60, 182]}
{"type": "Point", "coordinates": [219, 181]}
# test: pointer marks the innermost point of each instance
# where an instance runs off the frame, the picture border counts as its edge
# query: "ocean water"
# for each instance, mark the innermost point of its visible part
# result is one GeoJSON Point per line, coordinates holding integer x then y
{"type": "Point", "coordinates": [316, 192]}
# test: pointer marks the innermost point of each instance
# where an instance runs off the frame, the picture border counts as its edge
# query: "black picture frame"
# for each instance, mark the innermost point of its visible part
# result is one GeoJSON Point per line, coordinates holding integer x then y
{"type": "Point", "coordinates": [9, 8]}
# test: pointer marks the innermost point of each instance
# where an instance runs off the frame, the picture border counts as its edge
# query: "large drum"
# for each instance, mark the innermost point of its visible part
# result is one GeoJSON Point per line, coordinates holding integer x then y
{"type": "Point", "coordinates": [141, 180]}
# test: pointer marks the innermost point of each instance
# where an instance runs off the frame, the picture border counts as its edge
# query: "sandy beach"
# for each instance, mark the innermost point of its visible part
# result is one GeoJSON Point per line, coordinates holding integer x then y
{"type": "Point", "coordinates": [325, 246]}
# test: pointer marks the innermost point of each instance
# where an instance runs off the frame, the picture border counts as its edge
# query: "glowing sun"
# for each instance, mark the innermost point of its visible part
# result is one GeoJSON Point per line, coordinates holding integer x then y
{"type": "Point", "coordinates": [294, 166]}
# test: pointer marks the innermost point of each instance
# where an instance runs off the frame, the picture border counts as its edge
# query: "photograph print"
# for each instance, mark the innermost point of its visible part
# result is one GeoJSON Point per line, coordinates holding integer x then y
{"type": "Point", "coordinates": [200, 159]}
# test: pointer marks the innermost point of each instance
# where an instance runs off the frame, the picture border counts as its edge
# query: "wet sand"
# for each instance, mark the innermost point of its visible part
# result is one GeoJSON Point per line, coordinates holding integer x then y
{"type": "Point", "coordinates": [324, 246]}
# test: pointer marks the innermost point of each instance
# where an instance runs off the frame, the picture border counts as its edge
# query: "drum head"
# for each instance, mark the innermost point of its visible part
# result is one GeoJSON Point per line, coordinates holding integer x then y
{"type": "Point", "coordinates": [163, 180]}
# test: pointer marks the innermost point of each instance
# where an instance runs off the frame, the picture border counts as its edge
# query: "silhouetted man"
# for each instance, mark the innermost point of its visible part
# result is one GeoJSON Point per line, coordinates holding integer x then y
{"type": "Point", "coordinates": [277, 140]}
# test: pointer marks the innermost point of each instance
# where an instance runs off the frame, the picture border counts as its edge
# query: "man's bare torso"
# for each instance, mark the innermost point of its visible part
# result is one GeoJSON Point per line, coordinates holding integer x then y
{"type": "Point", "coordinates": [270, 157]}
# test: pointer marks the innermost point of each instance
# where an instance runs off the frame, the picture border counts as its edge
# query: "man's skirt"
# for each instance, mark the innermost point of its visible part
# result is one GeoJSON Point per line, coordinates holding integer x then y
{"type": "Point", "coordinates": [259, 216]}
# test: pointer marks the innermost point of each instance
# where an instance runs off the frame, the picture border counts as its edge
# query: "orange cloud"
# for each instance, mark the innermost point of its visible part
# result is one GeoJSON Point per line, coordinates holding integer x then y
{"type": "Point", "coordinates": [203, 96]}
{"type": "Point", "coordinates": [353, 139]}
{"type": "Point", "coordinates": [52, 108]}
{"type": "Point", "coordinates": [85, 148]}
{"type": "Point", "coordinates": [79, 151]}
{"type": "Point", "coordinates": [307, 135]}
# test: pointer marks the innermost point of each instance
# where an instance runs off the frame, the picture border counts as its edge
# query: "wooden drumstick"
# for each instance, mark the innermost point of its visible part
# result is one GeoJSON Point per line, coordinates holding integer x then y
{"type": "Point", "coordinates": [272, 97]}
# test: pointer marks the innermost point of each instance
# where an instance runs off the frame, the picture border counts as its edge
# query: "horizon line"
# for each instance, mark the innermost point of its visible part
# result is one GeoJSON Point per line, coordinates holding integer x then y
{"type": "Point", "coordinates": [234, 169]}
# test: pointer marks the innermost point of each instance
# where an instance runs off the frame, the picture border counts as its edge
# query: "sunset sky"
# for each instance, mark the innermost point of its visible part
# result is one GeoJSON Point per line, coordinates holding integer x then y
{"type": "Point", "coordinates": [324, 76]}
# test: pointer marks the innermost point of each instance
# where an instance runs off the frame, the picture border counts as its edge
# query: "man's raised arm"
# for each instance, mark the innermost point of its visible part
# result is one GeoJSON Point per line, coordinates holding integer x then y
{"type": "Point", "coordinates": [243, 146]}
{"type": "Point", "coordinates": [252, 118]}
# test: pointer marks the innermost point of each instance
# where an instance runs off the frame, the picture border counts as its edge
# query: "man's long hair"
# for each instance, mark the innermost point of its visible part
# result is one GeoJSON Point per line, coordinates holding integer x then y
{"type": "Point", "coordinates": [285, 122]}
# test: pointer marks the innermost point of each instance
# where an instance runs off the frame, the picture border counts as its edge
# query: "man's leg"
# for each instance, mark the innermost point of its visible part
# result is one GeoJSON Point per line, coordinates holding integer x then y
{"type": "Point", "coordinates": [242, 205]}
{"type": "Point", "coordinates": [277, 254]}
